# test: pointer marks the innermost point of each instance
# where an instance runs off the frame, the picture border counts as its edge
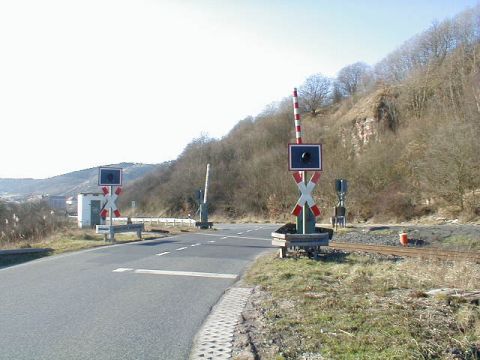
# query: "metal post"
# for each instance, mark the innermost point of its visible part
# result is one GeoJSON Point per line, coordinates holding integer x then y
{"type": "Point", "coordinates": [110, 211]}
{"type": "Point", "coordinates": [305, 206]}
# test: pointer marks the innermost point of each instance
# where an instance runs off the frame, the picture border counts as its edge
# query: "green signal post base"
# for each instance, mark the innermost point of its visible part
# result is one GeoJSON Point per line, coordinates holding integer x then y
{"type": "Point", "coordinates": [310, 222]}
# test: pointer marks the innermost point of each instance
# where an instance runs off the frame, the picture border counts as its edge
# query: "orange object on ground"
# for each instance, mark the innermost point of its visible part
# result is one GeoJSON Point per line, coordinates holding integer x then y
{"type": "Point", "coordinates": [403, 239]}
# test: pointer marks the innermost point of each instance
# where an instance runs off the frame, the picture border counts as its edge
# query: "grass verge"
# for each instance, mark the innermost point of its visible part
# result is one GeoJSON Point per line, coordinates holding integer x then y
{"type": "Point", "coordinates": [363, 307]}
{"type": "Point", "coordinates": [464, 242]}
{"type": "Point", "coordinates": [74, 239]}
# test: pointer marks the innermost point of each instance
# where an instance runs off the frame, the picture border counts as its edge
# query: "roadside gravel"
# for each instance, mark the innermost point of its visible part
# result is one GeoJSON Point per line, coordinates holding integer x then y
{"type": "Point", "coordinates": [418, 235]}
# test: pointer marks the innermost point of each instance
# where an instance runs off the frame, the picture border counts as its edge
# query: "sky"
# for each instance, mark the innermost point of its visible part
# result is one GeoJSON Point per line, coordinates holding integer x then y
{"type": "Point", "coordinates": [96, 82]}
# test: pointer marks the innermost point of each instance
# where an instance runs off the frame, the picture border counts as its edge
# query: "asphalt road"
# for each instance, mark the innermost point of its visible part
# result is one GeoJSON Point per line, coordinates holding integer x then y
{"type": "Point", "coordinates": [135, 301]}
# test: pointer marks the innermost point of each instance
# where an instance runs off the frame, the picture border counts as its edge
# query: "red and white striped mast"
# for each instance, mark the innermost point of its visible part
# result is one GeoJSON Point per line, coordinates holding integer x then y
{"type": "Point", "coordinates": [298, 126]}
{"type": "Point", "coordinates": [301, 178]}
{"type": "Point", "coordinates": [298, 139]}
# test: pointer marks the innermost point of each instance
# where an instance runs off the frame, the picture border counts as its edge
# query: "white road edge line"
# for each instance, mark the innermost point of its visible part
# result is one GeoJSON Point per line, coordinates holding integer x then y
{"type": "Point", "coordinates": [186, 273]}
{"type": "Point", "coordinates": [182, 248]}
{"type": "Point", "coordinates": [163, 253]}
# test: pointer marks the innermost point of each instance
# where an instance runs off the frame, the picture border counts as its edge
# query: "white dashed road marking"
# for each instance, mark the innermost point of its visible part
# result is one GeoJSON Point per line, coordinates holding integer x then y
{"type": "Point", "coordinates": [178, 273]}
{"type": "Point", "coordinates": [182, 248]}
{"type": "Point", "coordinates": [163, 253]}
{"type": "Point", "coordinates": [193, 245]}
{"type": "Point", "coordinates": [185, 273]}
{"type": "Point", "coordinates": [225, 237]}
{"type": "Point", "coordinates": [211, 241]}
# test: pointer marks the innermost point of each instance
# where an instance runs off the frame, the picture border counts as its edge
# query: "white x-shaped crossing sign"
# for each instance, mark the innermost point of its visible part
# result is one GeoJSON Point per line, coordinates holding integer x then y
{"type": "Point", "coordinates": [306, 193]}
{"type": "Point", "coordinates": [111, 202]}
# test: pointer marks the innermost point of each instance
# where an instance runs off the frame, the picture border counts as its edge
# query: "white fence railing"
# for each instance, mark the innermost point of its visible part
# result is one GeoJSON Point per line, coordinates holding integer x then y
{"type": "Point", "coordinates": [157, 220]}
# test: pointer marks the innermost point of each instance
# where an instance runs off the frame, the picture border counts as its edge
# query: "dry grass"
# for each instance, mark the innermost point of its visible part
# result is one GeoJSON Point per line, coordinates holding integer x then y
{"type": "Point", "coordinates": [465, 242]}
{"type": "Point", "coordinates": [74, 239]}
{"type": "Point", "coordinates": [359, 307]}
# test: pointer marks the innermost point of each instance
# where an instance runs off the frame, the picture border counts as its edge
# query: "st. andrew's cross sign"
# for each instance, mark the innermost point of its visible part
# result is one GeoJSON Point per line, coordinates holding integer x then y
{"type": "Point", "coordinates": [303, 157]}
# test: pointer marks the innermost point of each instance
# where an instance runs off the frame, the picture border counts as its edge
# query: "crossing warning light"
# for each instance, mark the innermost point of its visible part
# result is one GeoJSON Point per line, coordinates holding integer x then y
{"type": "Point", "coordinates": [303, 157]}
{"type": "Point", "coordinates": [108, 176]}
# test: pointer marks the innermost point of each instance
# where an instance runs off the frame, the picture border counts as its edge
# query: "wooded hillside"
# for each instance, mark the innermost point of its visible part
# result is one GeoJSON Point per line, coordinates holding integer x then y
{"type": "Point", "coordinates": [404, 132]}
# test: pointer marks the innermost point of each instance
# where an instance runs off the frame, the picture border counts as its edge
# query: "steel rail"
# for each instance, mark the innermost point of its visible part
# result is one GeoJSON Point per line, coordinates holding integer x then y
{"type": "Point", "coordinates": [409, 251]}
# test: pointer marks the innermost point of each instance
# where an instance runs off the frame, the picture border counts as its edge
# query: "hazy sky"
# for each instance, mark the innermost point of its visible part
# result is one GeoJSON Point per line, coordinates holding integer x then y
{"type": "Point", "coordinates": [94, 82]}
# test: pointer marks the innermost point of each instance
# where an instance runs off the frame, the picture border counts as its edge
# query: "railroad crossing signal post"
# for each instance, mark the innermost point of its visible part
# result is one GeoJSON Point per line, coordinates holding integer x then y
{"type": "Point", "coordinates": [108, 178]}
{"type": "Point", "coordinates": [306, 220]}
{"type": "Point", "coordinates": [340, 217]}
{"type": "Point", "coordinates": [341, 187]}
{"type": "Point", "coordinates": [110, 206]}
{"type": "Point", "coordinates": [303, 157]}
{"type": "Point", "coordinates": [204, 223]}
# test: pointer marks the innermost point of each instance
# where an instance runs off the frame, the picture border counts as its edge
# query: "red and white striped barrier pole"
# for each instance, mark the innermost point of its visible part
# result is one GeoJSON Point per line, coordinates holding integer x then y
{"type": "Point", "coordinates": [298, 138]}
{"type": "Point", "coordinates": [298, 126]}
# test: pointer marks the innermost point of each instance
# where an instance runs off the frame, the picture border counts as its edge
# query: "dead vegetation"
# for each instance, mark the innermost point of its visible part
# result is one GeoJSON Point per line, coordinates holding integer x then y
{"type": "Point", "coordinates": [360, 307]}
{"type": "Point", "coordinates": [404, 132]}
{"type": "Point", "coordinates": [21, 224]}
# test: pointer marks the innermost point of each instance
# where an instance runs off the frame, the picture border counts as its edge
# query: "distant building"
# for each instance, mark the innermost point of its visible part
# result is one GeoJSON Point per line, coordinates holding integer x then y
{"type": "Point", "coordinates": [57, 202]}
{"type": "Point", "coordinates": [89, 207]}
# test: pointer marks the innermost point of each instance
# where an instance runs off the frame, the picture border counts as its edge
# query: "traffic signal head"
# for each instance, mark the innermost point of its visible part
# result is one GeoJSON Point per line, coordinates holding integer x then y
{"type": "Point", "coordinates": [304, 157]}
{"type": "Point", "coordinates": [109, 176]}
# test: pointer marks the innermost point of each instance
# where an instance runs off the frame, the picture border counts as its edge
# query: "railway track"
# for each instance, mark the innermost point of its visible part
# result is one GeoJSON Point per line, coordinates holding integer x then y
{"type": "Point", "coordinates": [409, 251]}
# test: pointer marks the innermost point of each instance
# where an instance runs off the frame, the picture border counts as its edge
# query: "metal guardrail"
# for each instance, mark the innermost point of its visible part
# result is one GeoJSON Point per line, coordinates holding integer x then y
{"type": "Point", "coordinates": [110, 231]}
{"type": "Point", "coordinates": [25, 251]}
{"type": "Point", "coordinates": [157, 220]}
{"type": "Point", "coordinates": [107, 229]}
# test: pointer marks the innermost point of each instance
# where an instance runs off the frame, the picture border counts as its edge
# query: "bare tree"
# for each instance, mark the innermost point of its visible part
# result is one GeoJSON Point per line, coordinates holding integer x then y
{"type": "Point", "coordinates": [314, 92]}
{"type": "Point", "coordinates": [450, 166]}
{"type": "Point", "coordinates": [352, 77]}
{"type": "Point", "coordinates": [337, 93]}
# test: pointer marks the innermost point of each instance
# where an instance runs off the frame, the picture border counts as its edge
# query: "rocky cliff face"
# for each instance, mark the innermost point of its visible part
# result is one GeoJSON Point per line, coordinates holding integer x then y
{"type": "Point", "coordinates": [370, 117]}
{"type": "Point", "coordinates": [364, 130]}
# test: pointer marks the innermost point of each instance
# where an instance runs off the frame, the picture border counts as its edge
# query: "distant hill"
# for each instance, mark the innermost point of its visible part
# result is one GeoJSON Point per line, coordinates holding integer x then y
{"type": "Point", "coordinates": [69, 184]}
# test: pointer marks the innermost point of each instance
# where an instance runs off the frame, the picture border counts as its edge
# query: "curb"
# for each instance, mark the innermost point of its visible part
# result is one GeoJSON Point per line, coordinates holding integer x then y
{"type": "Point", "coordinates": [215, 338]}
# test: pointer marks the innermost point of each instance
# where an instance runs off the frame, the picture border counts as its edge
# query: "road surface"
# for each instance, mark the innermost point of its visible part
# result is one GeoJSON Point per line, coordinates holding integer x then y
{"type": "Point", "coordinates": [134, 301]}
